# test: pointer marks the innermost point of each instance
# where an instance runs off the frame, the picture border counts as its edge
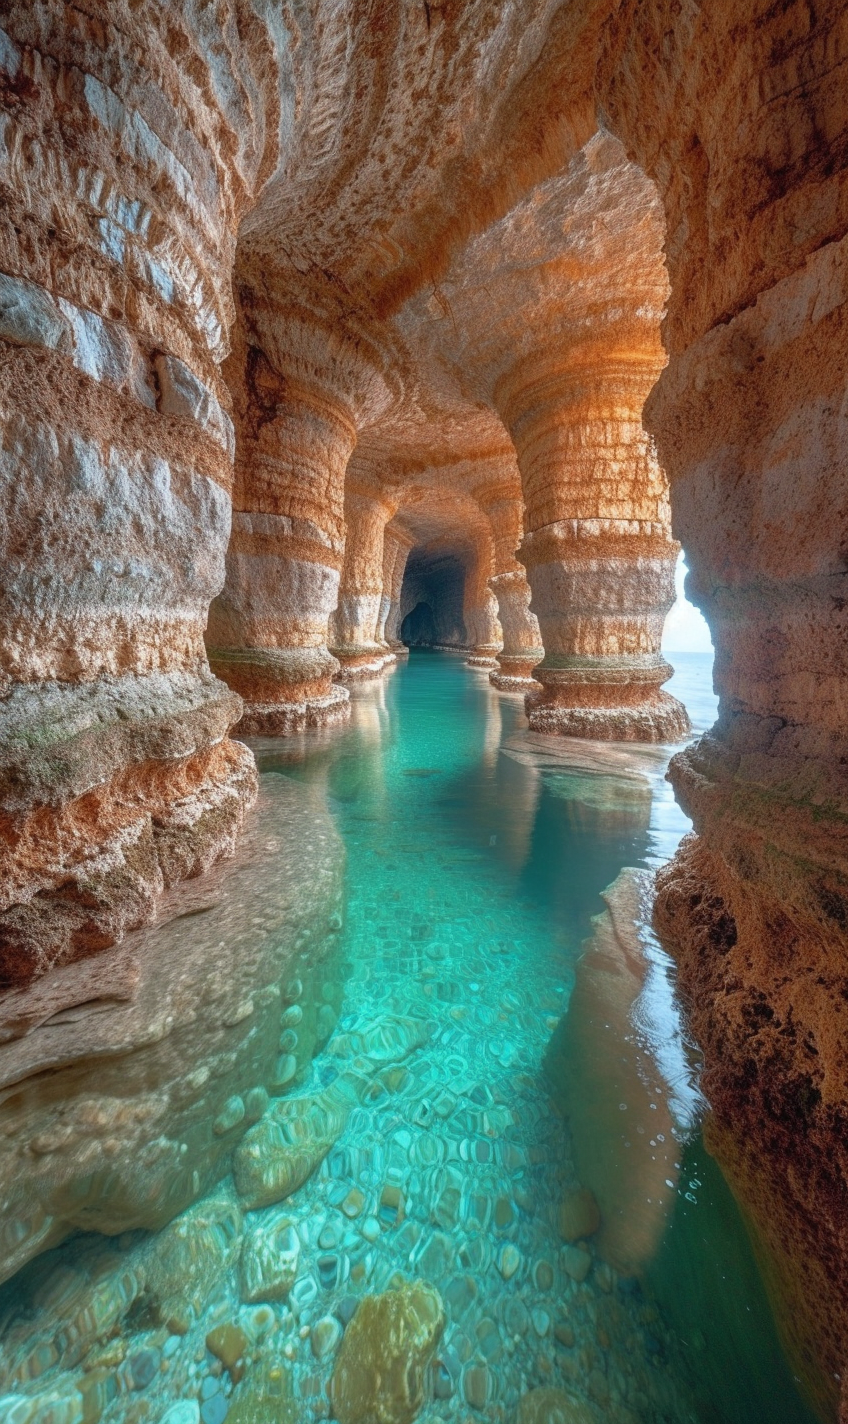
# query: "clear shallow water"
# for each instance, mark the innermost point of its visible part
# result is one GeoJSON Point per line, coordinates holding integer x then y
{"type": "Point", "coordinates": [500, 1069]}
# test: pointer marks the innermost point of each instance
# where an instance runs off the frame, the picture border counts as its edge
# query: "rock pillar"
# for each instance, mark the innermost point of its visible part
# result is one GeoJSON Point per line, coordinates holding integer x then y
{"type": "Point", "coordinates": [480, 610]}
{"type": "Point", "coordinates": [396, 551]}
{"type": "Point", "coordinates": [300, 398]}
{"type": "Point", "coordinates": [522, 642]}
{"type": "Point", "coordinates": [123, 186]}
{"type": "Point", "coordinates": [751, 423]}
{"type": "Point", "coordinates": [354, 625]}
{"type": "Point", "coordinates": [597, 546]}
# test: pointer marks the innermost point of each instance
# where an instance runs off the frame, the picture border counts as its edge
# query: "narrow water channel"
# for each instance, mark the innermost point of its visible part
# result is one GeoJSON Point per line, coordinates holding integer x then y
{"type": "Point", "coordinates": [402, 1039]}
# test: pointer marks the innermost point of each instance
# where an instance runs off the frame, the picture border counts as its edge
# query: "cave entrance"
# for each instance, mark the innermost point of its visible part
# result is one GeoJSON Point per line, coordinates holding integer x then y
{"type": "Point", "coordinates": [418, 629]}
{"type": "Point", "coordinates": [432, 600]}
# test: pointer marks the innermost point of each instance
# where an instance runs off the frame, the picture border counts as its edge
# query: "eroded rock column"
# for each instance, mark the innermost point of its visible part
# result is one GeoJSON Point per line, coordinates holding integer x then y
{"type": "Point", "coordinates": [751, 422]}
{"type": "Point", "coordinates": [354, 625]}
{"type": "Point", "coordinates": [522, 643]}
{"type": "Point", "coordinates": [396, 547]}
{"type": "Point", "coordinates": [597, 548]}
{"type": "Point", "coordinates": [118, 777]}
{"type": "Point", "coordinates": [300, 397]}
{"type": "Point", "coordinates": [480, 609]}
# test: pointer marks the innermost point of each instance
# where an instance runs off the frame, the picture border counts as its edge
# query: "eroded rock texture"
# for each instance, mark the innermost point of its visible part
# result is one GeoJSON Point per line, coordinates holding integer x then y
{"type": "Point", "coordinates": [522, 647]}
{"type": "Point", "coordinates": [442, 255]}
{"type": "Point", "coordinates": [749, 419]}
{"type": "Point", "coordinates": [125, 174]}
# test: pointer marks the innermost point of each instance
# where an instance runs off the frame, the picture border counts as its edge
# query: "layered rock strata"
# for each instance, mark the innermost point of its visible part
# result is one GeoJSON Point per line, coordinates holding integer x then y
{"type": "Point", "coordinates": [356, 636]}
{"type": "Point", "coordinates": [303, 387]}
{"type": "Point", "coordinates": [396, 547]}
{"type": "Point", "coordinates": [749, 419]}
{"type": "Point", "coordinates": [597, 549]}
{"type": "Point", "coordinates": [522, 643]}
{"type": "Point", "coordinates": [124, 177]}
{"type": "Point", "coordinates": [551, 317]}
{"type": "Point", "coordinates": [480, 609]}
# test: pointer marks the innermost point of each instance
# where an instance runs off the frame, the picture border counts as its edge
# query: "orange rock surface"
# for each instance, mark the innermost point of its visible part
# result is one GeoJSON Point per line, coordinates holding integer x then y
{"type": "Point", "coordinates": [311, 321]}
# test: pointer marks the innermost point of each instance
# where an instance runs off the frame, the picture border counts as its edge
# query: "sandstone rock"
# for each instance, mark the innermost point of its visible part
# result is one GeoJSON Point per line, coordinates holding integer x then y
{"type": "Point", "coordinates": [379, 1372]}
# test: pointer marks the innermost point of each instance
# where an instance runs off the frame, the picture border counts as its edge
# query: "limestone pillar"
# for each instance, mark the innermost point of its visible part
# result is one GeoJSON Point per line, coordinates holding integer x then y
{"type": "Point", "coordinates": [355, 634]}
{"type": "Point", "coordinates": [597, 546]}
{"type": "Point", "coordinates": [480, 610]}
{"type": "Point", "coordinates": [751, 423]}
{"type": "Point", "coordinates": [301, 398]}
{"type": "Point", "coordinates": [396, 547]}
{"type": "Point", "coordinates": [124, 183]}
{"type": "Point", "coordinates": [522, 643]}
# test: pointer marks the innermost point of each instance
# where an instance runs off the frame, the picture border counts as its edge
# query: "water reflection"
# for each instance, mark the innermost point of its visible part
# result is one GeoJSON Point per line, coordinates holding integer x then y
{"type": "Point", "coordinates": [431, 1092]}
{"type": "Point", "coordinates": [127, 1082]}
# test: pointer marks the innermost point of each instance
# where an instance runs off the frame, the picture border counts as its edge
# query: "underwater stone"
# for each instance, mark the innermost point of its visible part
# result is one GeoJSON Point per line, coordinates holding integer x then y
{"type": "Point", "coordinates": [143, 1367]}
{"type": "Point", "coordinates": [553, 1406]}
{"type": "Point", "coordinates": [229, 1117]}
{"type": "Point", "coordinates": [543, 1275]}
{"type": "Point", "coordinates": [255, 1103]}
{"type": "Point", "coordinates": [214, 1409]}
{"type": "Point", "coordinates": [385, 1042]}
{"type": "Point", "coordinates": [190, 1255]}
{"type": "Point", "coordinates": [353, 1202]}
{"type": "Point", "coordinates": [228, 1343]}
{"type": "Point", "coordinates": [281, 1152]}
{"type": "Point", "coordinates": [380, 1370]}
{"type": "Point", "coordinates": [509, 1261]}
{"type": "Point", "coordinates": [265, 1396]}
{"type": "Point", "coordinates": [579, 1215]}
{"type": "Point", "coordinates": [269, 1260]}
{"type": "Point", "coordinates": [326, 1334]}
{"type": "Point", "coordinates": [475, 1383]}
{"type": "Point", "coordinates": [186, 1412]}
{"type": "Point", "coordinates": [576, 1262]}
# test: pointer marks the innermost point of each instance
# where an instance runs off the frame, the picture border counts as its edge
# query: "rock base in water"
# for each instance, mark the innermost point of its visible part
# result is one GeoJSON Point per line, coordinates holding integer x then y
{"type": "Point", "coordinates": [661, 720]}
{"type": "Point", "coordinates": [283, 719]}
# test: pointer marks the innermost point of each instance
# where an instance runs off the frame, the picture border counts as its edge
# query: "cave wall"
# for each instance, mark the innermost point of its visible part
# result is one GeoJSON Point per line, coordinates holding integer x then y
{"type": "Point", "coordinates": [749, 422]}
{"type": "Point", "coordinates": [124, 176]}
{"type": "Point", "coordinates": [224, 275]}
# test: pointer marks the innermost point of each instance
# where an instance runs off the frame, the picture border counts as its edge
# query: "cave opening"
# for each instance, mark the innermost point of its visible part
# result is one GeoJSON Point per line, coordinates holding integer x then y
{"type": "Point", "coordinates": [432, 599]}
{"type": "Point", "coordinates": [418, 629]}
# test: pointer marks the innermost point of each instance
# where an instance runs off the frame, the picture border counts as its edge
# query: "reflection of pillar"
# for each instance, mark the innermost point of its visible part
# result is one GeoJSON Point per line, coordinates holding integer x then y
{"type": "Point", "coordinates": [118, 774]}
{"type": "Point", "coordinates": [597, 546]}
{"type": "Point", "coordinates": [355, 635]}
{"type": "Point", "coordinates": [267, 633]}
{"type": "Point", "coordinates": [522, 642]}
{"type": "Point", "coordinates": [396, 547]}
{"type": "Point", "coordinates": [480, 610]}
{"type": "Point", "coordinates": [606, 1081]}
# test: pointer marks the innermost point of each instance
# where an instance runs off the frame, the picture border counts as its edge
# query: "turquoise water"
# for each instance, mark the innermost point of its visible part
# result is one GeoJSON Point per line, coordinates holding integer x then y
{"type": "Point", "coordinates": [477, 1043]}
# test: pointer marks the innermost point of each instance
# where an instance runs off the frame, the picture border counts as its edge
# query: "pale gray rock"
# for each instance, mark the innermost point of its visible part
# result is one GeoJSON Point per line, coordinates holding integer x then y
{"type": "Point", "coordinates": [30, 317]}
